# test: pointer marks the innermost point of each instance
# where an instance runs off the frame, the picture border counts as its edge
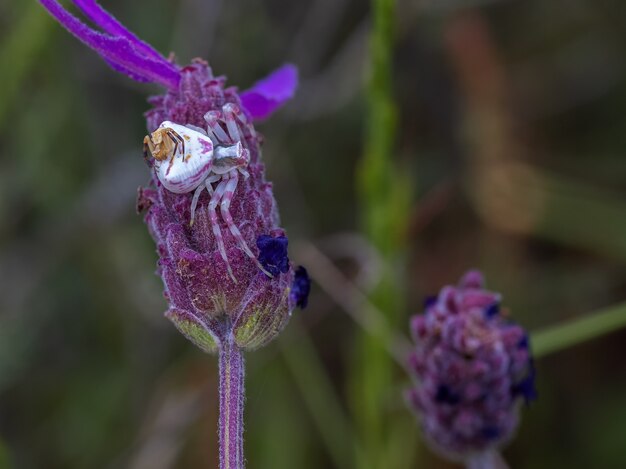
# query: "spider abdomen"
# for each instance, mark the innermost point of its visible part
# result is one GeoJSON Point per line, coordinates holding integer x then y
{"type": "Point", "coordinates": [191, 160]}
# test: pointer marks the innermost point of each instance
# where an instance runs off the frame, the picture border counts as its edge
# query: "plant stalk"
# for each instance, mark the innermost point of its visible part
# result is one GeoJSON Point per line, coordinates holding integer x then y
{"type": "Point", "coordinates": [384, 193]}
{"type": "Point", "coordinates": [232, 394]}
{"type": "Point", "coordinates": [575, 331]}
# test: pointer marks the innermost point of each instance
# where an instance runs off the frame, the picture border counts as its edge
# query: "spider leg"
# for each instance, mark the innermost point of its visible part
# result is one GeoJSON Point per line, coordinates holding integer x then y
{"type": "Point", "coordinates": [172, 157]}
{"type": "Point", "coordinates": [146, 152]}
{"type": "Point", "coordinates": [214, 129]}
{"type": "Point", "coordinates": [215, 199]}
{"type": "Point", "coordinates": [210, 180]}
{"type": "Point", "coordinates": [230, 111]}
{"type": "Point", "coordinates": [175, 136]}
{"type": "Point", "coordinates": [211, 134]}
{"type": "Point", "coordinates": [182, 141]}
{"type": "Point", "coordinates": [194, 203]}
{"type": "Point", "coordinates": [231, 185]}
{"type": "Point", "coordinates": [244, 173]}
{"type": "Point", "coordinates": [243, 120]}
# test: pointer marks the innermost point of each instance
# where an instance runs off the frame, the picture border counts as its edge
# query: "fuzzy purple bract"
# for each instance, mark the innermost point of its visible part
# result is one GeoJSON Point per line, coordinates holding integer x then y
{"type": "Point", "coordinates": [205, 304]}
{"type": "Point", "coordinates": [472, 366]}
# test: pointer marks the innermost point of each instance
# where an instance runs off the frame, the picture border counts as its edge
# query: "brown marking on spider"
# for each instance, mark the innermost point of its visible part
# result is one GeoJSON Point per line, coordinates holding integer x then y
{"type": "Point", "coordinates": [164, 143]}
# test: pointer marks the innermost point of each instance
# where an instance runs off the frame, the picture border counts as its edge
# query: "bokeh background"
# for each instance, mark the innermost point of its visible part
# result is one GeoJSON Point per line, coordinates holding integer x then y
{"type": "Point", "coordinates": [509, 138]}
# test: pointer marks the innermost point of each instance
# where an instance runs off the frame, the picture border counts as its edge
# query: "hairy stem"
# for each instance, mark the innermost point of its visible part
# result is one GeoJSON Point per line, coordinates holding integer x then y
{"type": "Point", "coordinates": [231, 405]}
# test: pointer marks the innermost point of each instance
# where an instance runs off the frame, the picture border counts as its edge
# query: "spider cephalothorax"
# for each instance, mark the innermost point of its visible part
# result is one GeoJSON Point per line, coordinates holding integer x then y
{"type": "Point", "coordinates": [162, 143]}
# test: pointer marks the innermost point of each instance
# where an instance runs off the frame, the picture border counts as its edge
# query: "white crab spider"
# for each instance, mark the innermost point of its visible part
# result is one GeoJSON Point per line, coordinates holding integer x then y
{"type": "Point", "coordinates": [187, 158]}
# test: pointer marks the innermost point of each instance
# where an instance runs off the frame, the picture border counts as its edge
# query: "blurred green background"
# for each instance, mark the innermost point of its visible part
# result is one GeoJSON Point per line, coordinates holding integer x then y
{"type": "Point", "coordinates": [492, 135]}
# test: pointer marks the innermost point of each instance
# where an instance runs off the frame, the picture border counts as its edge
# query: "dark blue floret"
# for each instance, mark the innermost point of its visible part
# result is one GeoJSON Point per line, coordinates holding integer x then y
{"type": "Point", "coordinates": [430, 301]}
{"type": "Point", "coordinates": [526, 387]}
{"type": "Point", "coordinates": [301, 287]}
{"type": "Point", "coordinates": [523, 343]}
{"type": "Point", "coordinates": [491, 432]}
{"type": "Point", "coordinates": [273, 253]}
{"type": "Point", "coordinates": [492, 310]}
{"type": "Point", "coordinates": [446, 396]}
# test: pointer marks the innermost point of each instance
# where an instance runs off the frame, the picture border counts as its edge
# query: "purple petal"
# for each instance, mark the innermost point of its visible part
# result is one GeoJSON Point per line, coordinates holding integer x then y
{"type": "Point", "coordinates": [271, 92]}
{"type": "Point", "coordinates": [117, 51]}
{"type": "Point", "coordinates": [109, 24]}
{"type": "Point", "coordinates": [129, 73]}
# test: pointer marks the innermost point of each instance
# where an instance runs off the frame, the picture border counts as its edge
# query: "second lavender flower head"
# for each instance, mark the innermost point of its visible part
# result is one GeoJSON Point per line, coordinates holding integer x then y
{"type": "Point", "coordinates": [473, 368]}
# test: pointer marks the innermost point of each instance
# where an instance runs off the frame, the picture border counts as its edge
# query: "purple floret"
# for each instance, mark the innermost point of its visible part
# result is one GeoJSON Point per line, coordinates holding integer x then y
{"type": "Point", "coordinates": [492, 310]}
{"type": "Point", "coordinates": [472, 367]}
{"type": "Point", "coordinates": [273, 253]}
{"type": "Point", "coordinates": [301, 287]}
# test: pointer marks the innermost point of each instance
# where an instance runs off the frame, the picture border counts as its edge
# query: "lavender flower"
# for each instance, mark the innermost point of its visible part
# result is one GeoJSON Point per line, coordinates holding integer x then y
{"type": "Point", "coordinates": [223, 295]}
{"type": "Point", "coordinates": [473, 367]}
{"type": "Point", "coordinates": [206, 305]}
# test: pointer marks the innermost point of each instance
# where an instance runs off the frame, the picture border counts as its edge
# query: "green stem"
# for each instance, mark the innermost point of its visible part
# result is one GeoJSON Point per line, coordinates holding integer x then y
{"type": "Point", "coordinates": [575, 331]}
{"type": "Point", "coordinates": [384, 201]}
